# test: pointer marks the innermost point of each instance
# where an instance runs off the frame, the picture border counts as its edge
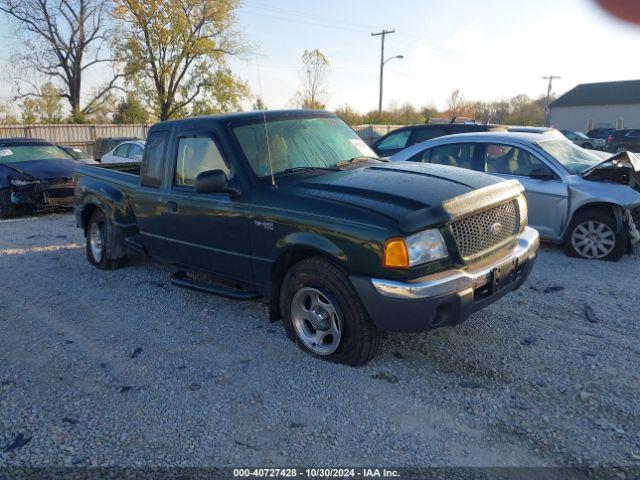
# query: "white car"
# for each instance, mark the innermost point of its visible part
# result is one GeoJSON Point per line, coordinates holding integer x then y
{"type": "Point", "coordinates": [125, 152]}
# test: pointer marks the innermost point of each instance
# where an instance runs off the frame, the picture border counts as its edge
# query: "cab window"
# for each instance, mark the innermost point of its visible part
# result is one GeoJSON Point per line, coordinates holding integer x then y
{"type": "Point", "coordinates": [510, 160]}
{"type": "Point", "coordinates": [152, 164]}
{"type": "Point", "coordinates": [197, 154]}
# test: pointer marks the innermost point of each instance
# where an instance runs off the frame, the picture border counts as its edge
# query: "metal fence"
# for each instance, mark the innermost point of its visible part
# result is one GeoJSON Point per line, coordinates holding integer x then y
{"type": "Point", "coordinates": [84, 136]}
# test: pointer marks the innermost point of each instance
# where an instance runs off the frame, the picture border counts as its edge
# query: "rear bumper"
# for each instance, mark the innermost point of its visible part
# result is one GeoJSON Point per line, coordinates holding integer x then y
{"type": "Point", "coordinates": [449, 297]}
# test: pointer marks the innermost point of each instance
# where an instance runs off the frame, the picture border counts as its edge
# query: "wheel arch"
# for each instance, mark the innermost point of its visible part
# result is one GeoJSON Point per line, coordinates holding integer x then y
{"type": "Point", "coordinates": [606, 207]}
{"type": "Point", "coordinates": [293, 252]}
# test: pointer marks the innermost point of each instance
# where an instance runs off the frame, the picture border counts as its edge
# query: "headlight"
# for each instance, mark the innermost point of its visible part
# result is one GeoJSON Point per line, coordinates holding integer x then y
{"type": "Point", "coordinates": [16, 182]}
{"type": "Point", "coordinates": [524, 210]}
{"type": "Point", "coordinates": [416, 249]}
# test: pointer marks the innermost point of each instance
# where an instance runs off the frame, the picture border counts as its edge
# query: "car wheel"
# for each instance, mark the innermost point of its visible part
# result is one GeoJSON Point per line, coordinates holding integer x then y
{"type": "Point", "coordinates": [6, 208]}
{"type": "Point", "coordinates": [594, 236]}
{"type": "Point", "coordinates": [104, 247]}
{"type": "Point", "coordinates": [323, 314]}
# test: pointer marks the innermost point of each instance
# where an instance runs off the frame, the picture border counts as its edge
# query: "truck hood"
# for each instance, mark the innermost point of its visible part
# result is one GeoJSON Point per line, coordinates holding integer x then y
{"type": "Point", "coordinates": [622, 168]}
{"type": "Point", "coordinates": [396, 190]}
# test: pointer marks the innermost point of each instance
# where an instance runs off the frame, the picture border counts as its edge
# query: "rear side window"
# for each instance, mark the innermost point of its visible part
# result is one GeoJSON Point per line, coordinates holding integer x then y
{"type": "Point", "coordinates": [122, 150]}
{"type": "Point", "coordinates": [456, 155]}
{"type": "Point", "coordinates": [395, 141]}
{"type": "Point", "coordinates": [196, 155]}
{"type": "Point", "coordinates": [422, 134]}
{"type": "Point", "coordinates": [152, 164]}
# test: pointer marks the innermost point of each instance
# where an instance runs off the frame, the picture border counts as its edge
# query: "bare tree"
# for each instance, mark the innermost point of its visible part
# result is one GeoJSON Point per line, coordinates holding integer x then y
{"type": "Point", "coordinates": [313, 76]}
{"type": "Point", "coordinates": [62, 40]}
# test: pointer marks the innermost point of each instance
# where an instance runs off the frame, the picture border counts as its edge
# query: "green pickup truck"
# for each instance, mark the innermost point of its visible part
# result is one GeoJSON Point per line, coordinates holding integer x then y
{"type": "Point", "coordinates": [294, 207]}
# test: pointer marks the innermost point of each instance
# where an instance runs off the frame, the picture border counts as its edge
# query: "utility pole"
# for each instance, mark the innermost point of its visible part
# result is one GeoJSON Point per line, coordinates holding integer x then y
{"type": "Point", "coordinates": [382, 34]}
{"type": "Point", "coordinates": [547, 110]}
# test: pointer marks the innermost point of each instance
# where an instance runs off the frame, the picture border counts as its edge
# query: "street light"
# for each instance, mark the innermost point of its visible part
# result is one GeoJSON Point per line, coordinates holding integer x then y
{"type": "Point", "coordinates": [382, 64]}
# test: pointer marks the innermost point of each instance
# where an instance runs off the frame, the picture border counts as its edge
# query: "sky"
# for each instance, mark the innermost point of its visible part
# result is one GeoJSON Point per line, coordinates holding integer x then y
{"type": "Point", "coordinates": [488, 49]}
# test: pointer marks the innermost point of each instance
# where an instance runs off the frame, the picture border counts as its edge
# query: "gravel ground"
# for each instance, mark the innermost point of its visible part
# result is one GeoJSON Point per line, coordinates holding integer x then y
{"type": "Point", "coordinates": [122, 369]}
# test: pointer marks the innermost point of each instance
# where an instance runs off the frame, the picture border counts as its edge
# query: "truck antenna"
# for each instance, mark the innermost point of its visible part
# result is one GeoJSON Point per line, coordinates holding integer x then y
{"type": "Point", "coordinates": [266, 130]}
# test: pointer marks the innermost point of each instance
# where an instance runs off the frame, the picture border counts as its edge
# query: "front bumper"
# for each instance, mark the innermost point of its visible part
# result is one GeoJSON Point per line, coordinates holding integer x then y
{"type": "Point", "coordinates": [449, 297]}
{"type": "Point", "coordinates": [43, 196]}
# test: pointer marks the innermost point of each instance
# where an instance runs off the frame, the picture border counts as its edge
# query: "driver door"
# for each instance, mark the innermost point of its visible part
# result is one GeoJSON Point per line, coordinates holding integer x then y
{"type": "Point", "coordinates": [209, 231]}
{"type": "Point", "coordinates": [547, 199]}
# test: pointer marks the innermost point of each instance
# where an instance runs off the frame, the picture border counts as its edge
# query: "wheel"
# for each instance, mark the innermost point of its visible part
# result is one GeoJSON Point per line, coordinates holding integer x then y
{"type": "Point", "coordinates": [323, 314]}
{"type": "Point", "coordinates": [6, 208]}
{"type": "Point", "coordinates": [105, 248]}
{"type": "Point", "coordinates": [593, 235]}
{"type": "Point", "coordinates": [588, 146]}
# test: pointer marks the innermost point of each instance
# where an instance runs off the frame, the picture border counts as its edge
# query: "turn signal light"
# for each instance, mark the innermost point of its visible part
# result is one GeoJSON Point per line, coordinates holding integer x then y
{"type": "Point", "coordinates": [395, 254]}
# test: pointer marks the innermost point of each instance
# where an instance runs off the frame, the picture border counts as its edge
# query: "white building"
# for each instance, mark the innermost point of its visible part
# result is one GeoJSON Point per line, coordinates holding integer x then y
{"type": "Point", "coordinates": [598, 105]}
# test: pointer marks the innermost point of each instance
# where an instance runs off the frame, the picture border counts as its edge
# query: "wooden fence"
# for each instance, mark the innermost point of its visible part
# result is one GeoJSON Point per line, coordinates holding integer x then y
{"type": "Point", "coordinates": [84, 136]}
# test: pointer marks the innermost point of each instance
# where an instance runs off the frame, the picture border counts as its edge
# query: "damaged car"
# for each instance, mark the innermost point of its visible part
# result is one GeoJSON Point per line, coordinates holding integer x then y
{"type": "Point", "coordinates": [576, 198]}
{"type": "Point", "coordinates": [35, 175]}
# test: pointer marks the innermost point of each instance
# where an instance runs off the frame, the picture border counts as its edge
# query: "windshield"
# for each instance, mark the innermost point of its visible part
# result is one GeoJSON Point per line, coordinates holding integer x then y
{"type": "Point", "coordinates": [320, 142]}
{"type": "Point", "coordinates": [575, 159]}
{"type": "Point", "coordinates": [24, 153]}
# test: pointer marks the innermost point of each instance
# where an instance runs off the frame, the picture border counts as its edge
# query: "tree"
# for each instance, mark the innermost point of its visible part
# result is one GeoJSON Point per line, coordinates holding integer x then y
{"type": "Point", "coordinates": [225, 95]}
{"type": "Point", "coordinates": [259, 104]}
{"type": "Point", "coordinates": [63, 39]}
{"type": "Point", "coordinates": [6, 114]}
{"type": "Point", "coordinates": [174, 53]}
{"type": "Point", "coordinates": [46, 108]}
{"type": "Point", "coordinates": [458, 105]}
{"type": "Point", "coordinates": [131, 110]}
{"type": "Point", "coordinates": [313, 76]}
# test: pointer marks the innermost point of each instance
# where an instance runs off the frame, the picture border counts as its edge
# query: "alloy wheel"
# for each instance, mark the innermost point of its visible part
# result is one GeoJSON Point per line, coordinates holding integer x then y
{"type": "Point", "coordinates": [316, 320]}
{"type": "Point", "coordinates": [593, 239]}
{"type": "Point", "coordinates": [95, 242]}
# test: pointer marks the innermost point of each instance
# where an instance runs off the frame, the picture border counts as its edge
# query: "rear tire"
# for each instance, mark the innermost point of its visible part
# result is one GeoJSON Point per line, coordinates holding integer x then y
{"type": "Point", "coordinates": [6, 208]}
{"type": "Point", "coordinates": [104, 247]}
{"type": "Point", "coordinates": [315, 290]}
{"type": "Point", "coordinates": [594, 235]}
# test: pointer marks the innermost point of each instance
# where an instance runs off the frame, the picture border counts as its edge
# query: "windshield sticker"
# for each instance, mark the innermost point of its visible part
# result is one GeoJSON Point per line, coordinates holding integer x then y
{"type": "Point", "coordinates": [362, 147]}
{"type": "Point", "coordinates": [5, 152]}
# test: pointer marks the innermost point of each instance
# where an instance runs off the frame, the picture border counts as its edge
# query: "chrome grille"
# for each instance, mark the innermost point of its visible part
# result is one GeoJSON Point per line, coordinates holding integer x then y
{"type": "Point", "coordinates": [479, 233]}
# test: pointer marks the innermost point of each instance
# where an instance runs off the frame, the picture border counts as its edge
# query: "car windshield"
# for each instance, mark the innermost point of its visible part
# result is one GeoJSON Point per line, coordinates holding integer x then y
{"type": "Point", "coordinates": [580, 134]}
{"type": "Point", "coordinates": [283, 145]}
{"type": "Point", "coordinates": [575, 159]}
{"type": "Point", "coordinates": [25, 153]}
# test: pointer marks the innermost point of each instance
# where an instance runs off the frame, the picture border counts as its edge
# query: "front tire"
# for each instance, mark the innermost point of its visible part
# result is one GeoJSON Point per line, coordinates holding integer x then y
{"type": "Point", "coordinates": [594, 235]}
{"type": "Point", "coordinates": [104, 247]}
{"type": "Point", "coordinates": [323, 314]}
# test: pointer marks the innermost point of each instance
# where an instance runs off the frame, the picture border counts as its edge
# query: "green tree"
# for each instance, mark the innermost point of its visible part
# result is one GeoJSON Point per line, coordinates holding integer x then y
{"type": "Point", "coordinates": [175, 51]}
{"type": "Point", "coordinates": [44, 108]}
{"type": "Point", "coordinates": [314, 76]}
{"type": "Point", "coordinates": [131, 110]}
{"type": "Point", "coordinates": [259, 104]}
{"type": "Point", "coordinates": [225, 95]}
{"type": "Point", "coordinates": [6, 114]}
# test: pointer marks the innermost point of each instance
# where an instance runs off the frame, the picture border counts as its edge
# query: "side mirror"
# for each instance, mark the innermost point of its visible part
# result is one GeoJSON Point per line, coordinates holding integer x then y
{"type": "Point", "coordinates": [542, 174]}
{"type": "Point", "coordinates": [211, 181]}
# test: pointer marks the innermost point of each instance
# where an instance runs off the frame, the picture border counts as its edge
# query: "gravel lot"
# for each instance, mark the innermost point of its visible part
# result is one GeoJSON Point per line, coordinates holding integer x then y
{"type": "Point", "coordinates": [121, 368]}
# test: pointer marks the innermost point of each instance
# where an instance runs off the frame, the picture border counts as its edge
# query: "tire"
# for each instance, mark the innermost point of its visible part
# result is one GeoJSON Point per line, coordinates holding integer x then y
{"type": "Point", "coordinates": [599, 228]}
{"type": "Point", "coordinates": [6, 208]}
{"type": "Point", "coordinates": [103, 234]}
{"type": "Point", "coordinates": [328, 296]}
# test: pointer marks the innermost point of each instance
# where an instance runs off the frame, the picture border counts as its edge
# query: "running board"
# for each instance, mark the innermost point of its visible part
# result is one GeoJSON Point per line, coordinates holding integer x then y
{"type": "Point", "coordinates": [189, 280]}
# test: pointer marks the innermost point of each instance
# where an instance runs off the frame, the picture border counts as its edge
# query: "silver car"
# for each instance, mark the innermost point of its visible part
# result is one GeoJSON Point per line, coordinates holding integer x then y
{"type": "Point", "coordinates": [577, 198]}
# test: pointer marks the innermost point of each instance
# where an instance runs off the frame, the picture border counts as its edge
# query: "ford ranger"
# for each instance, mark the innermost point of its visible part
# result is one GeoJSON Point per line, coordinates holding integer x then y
{"type": "Point", "coordinates": [294, 207]}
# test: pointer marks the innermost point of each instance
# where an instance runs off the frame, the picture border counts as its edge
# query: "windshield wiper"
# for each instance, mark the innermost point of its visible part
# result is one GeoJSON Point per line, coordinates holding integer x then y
{"type": "Point", "coordinates": [302, 169]}
{"type": "Point", "coordinates": [357, 159]}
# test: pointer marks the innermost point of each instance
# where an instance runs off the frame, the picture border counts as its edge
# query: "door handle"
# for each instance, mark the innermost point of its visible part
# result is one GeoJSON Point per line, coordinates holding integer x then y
{"type": "Point", "coordinates": [170, 207]}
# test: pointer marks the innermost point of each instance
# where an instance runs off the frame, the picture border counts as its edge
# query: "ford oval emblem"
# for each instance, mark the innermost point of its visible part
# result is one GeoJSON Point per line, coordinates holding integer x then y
{"type": "Point", "coordinates": [495, 228]}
